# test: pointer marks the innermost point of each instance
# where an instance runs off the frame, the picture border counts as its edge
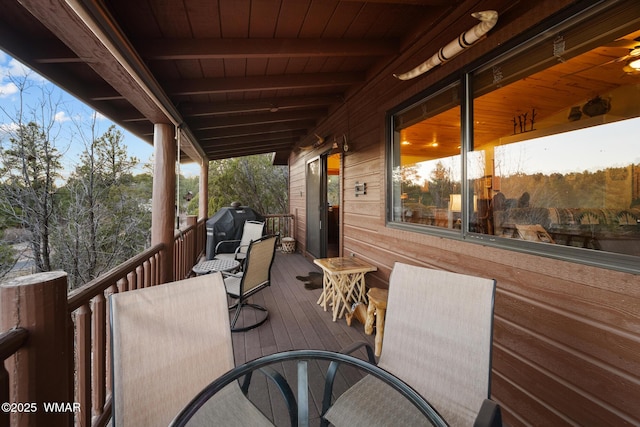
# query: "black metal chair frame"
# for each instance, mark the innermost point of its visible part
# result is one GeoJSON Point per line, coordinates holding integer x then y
{"type": "Point", "coordinates": [299, 411]}
{"type": "Point", "coordinates": [242, 297]}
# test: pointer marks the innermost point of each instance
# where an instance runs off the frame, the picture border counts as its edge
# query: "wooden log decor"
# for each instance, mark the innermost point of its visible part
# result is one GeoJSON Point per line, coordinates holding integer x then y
{"type": "Point", "coordinates": [488, 19]}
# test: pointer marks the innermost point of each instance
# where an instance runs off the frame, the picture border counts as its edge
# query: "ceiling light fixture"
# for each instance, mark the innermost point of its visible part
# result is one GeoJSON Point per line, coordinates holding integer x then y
{"type": "Point", "coordinates": [632, 66]}
{"type": "Point", "coordinates": [634, 63]}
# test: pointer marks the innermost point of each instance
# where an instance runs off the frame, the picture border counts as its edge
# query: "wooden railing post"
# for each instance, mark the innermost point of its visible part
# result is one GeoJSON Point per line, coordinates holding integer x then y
{"type": "Point", "coordinates": [192, 221]}
{"type": "Point", "coordinates": [40, 370]}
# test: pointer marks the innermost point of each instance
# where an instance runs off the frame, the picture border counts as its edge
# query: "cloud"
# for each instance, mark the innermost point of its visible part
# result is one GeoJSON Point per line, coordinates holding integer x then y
{"type": "Point", "coordinates": [17, 69]}
{"type": "Point", "coordinates": [7, 129]}
{"type": "Point", "coordinates": [98, 116]}
{"type": "Point", "coordinates": [7, 89]}
{"type": "Point", "coordinates": [12, 68]}
{"type": "Point", "coordinates": [61, 117]}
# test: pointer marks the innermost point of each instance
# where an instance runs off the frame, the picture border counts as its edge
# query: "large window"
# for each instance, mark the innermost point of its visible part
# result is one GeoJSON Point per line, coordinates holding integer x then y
{"type": "Point", "coordinates": [427, 168]}
{"type": "Point", "coordinates": [553, 155]}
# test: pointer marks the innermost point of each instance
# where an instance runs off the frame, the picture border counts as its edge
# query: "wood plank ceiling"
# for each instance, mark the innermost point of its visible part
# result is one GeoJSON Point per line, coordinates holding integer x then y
{"type": "Point", "coordinates": [579, 78]}
{"type": "Point", "coordinates": [239, 76]}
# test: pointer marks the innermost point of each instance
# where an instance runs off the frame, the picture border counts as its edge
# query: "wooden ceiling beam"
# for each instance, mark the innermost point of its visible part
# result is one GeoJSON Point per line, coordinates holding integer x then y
{"type": "Point", "coordinates": [227, 152]}
{"type": "Point", "coordinates": [411, 2]}
{"type": "Point", "coordinates": [210, 109]}
{"type": "Point", "coordinates": [176, 49]}
{"type": "Point", "coordinates": [260, 83]}
{"type": "Point", "coordinates": [255, 139]}
{"type": "Point", "coordinates": [63, 21]}
{"type": "Point", "coordinates": [279, 143]}
{"type": "Point", "coordinates": [254, 119]}
{"type": "Point", "coordinates": [254, 130]}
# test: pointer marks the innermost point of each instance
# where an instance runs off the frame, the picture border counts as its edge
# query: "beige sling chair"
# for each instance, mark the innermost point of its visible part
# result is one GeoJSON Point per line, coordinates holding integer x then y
{"type": "Point", "coordinates": [255, 276]}
{"type": "Point", "coordinates": [169, 342]}
{"type": "Point", "coordinates": [252, 230]}
{"type": "Point", "coordinates": [437, 338]}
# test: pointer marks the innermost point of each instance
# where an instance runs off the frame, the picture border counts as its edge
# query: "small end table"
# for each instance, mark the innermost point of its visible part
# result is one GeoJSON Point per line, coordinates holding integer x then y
{"type": "Point", "coordinates": [378, 306]}
{"type": "Point", "coordinates": [206, 267]}
{"type": "Point", "coordinates": [343, 283]}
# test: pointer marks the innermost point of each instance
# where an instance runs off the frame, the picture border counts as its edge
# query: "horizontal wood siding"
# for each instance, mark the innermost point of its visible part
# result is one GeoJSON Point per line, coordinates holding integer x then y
{"type": "Point", "coordinates": [567, 336]}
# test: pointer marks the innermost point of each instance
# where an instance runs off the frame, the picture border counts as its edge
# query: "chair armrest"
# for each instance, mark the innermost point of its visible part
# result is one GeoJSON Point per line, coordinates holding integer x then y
{"type": "Point", "coordinates": [357, 345]}
{"type": "Point", "coordinates": [240, 247]}
{"type": "Point", "coordinates": [285, 390]}
{"type": "Point", "coordinates": [489, 415]}
{"type": "Point", "coordinates": [333, 370]}
{"type": "Point", "coordinates": [228, 274]}
{"type": "Point", "coordinates": [282, 385]}
{"type": "Point", "coordinates": [224, 242]}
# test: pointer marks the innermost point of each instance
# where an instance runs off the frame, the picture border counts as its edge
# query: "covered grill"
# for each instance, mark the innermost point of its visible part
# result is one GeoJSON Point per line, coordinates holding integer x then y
{"type": "Point", "coordinates": [227, 224]}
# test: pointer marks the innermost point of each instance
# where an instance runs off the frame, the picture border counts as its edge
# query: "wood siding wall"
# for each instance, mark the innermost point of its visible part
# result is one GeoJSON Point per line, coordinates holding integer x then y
{"type": "Point", "coordinates": [567, 336]}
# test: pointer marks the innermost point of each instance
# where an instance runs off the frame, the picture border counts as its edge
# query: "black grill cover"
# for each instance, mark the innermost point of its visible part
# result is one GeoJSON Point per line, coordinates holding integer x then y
{"type": "Point", "coordinates": [227, 224]}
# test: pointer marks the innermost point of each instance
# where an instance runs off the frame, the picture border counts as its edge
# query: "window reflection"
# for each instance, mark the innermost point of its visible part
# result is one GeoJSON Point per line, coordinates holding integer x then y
{"type": "Point", "coordinates": [428, 164]}
{"type": "Point", "coordinates": [565, 167]}
{"type": "Point", "coordinates": [555, 157]}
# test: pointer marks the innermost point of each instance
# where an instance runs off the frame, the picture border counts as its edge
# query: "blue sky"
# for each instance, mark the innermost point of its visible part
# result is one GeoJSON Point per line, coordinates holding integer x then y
{"type": "Point", "coordinates": [72, 117]}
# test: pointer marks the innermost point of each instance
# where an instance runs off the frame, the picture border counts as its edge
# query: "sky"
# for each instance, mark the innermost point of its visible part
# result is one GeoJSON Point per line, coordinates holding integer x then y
{"type": "Point", "coordinates": [72, 117]}
{"type": "Point", "coordinates": [589, 149]}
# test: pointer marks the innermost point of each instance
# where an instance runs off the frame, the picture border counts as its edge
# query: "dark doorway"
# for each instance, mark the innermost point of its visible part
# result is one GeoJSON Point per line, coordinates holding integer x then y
{"type": "Point", "coordinates": [323, 206]}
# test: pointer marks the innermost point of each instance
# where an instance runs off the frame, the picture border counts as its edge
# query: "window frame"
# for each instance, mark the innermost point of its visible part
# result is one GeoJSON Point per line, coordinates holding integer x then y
{"type": "Point", "coordinates": [577, 15]}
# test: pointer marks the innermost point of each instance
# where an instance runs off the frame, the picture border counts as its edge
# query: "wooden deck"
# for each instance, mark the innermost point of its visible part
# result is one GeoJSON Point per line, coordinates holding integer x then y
{"type": "Point", "coordinates": [295, 321]}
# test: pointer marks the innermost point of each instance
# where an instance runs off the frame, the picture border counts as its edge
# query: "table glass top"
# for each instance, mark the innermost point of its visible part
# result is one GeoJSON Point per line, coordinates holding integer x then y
{"type": "Point", "coordinates": [216, 265]}
{"type": "Point", "coordinates": [344, 265]}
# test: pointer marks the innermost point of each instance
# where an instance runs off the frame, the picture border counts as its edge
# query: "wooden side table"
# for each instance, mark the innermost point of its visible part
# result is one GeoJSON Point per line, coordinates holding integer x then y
{"type": "Point", "coordinates": [343, 282]}
{"type": "Point", "coordinates": [378, 308]}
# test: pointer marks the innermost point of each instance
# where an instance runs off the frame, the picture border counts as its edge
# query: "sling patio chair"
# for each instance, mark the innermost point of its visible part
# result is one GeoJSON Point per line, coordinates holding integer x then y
{"type": "Point", "coordinates": [168, 342]}
{"type": "Point", "coordinates": [438, 337]}
{"type": "Point", "coordinates": [237, 249]}
{"type": "Point", "coordinates": [255, 276]}
{"type": "Point", "coordinates": [301, 368]}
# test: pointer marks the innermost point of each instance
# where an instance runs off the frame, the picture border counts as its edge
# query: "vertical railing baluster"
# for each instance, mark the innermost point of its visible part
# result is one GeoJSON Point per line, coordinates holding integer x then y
{"type": "Point", "coordinates": [99, 353]}
{"type": "Point", "coordinates": [131, 281]}
{"type": "Point", "coordinates": [153, 271]}
{"type": "Point", "coordinates": [139, 277]}
{"type": "Point", "coordinates": [122, 285]}
{"type": "Point", "coordinates": [113, 289]}
{"type": "Point", "coordinates": [83, 368]}
{"type": "Point", "coordinates": [146, 266]}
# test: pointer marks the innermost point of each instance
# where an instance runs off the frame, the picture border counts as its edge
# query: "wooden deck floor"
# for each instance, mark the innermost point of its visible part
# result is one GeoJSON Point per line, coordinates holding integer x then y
{"type": "Point", "coordinates": [295, 321]}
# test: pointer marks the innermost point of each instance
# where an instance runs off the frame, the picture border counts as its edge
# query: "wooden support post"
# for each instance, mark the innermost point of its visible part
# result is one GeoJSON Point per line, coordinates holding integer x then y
{"type": "Point", "coordinates": [163, 210]}
{"type": "Point", "coordinates": [41, 370]}
{"type": "Point", "coordinates": [203, 190]}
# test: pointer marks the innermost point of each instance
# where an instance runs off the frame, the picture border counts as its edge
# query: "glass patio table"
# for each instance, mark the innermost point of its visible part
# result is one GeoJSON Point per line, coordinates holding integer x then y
{"type": "Point", "coordinates": [206, 267]}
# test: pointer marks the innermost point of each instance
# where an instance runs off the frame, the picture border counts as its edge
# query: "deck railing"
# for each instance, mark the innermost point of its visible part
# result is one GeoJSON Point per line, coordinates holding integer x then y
{"type": "Point", "coordinates": [10, 342]}
{"type": "Point", "coordinates": [79, 331]}
{"type": "Point", "coordinates": [281, 224]}
{"type": "Point", "coordinates": [88, 310]}
{"type": "Point", "coordinates": [187, 248]}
